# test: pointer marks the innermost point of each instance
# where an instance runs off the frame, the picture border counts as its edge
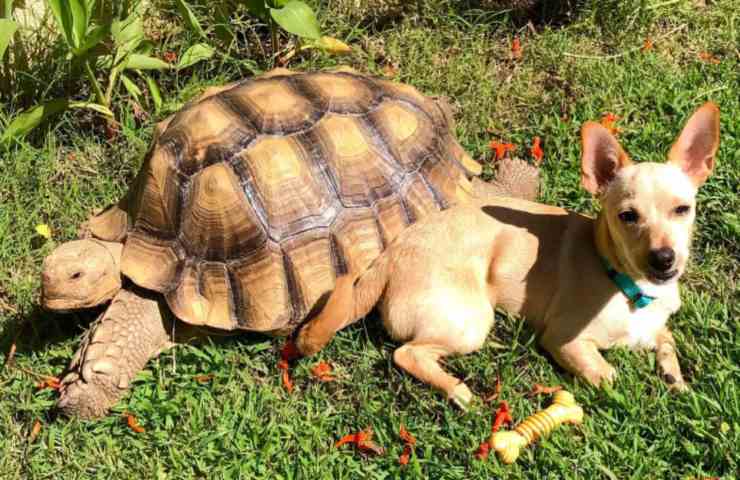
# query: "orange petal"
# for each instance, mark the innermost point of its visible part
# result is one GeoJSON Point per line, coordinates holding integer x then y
{"type": "Point", "coordinates": [406, 436]}
{"type": "Point", "coordinates": [287, 382]}
{"type": "Point", "coordinates": [132, 423]}
{"type": "Point", "coordinates": [35, 430]}
{"type": "Point", "coordinates": [516, 48]}
{"type": "Point", "coordinates": [322, 371]}
{"type": "Point", "coordinates": [483, 450]}
{"type": "Point", "coordinates": [542, 389]}
{"type": "Point", "coordinates": [351, 438]}
{"type": "Point", "coordinates": [203, 378]}
{"type": "Point", "coordinates": [404, 458]}
{"type": "Point", "coordinates": [503, 415]}
{"type": "Point", "coordinates": [536, 150]}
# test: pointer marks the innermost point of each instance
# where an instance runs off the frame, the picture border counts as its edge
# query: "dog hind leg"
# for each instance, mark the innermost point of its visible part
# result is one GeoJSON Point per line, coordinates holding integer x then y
{"type": "Point", "coordinates": [422, 361]}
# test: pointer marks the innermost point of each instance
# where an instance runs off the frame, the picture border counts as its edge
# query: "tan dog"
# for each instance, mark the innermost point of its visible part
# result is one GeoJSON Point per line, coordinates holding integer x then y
{"type": "Point", "coordinates": [441, 279]}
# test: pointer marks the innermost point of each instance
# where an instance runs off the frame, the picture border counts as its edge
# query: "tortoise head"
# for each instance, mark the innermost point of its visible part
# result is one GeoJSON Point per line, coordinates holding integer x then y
{"type": "Point", "coordinates": [81, 274]}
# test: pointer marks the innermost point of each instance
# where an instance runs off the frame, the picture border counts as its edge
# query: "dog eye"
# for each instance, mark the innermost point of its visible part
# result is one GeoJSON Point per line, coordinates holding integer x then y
{"type": "Point", "coordinates": [629, 216]}
{"type": "Point", "coordinates": [682, 209]}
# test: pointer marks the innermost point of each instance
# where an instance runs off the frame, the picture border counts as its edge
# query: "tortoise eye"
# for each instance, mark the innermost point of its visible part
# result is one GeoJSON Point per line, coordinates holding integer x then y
{"type": "Point", "coordinates": [682, 209]}
{"type": "Point", "coordinates": [629, 216]}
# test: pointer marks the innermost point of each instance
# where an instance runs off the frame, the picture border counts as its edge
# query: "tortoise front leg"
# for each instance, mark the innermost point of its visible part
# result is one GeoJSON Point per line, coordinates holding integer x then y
{"type": "Point", "coordinates": [131, 331]}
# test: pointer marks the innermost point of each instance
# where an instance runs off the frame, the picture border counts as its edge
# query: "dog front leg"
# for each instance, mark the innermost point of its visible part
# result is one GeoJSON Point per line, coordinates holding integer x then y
{"type": "Point", "coordinates": [582, 358]}
{"type": "Point", "coordinates": [670, 370]}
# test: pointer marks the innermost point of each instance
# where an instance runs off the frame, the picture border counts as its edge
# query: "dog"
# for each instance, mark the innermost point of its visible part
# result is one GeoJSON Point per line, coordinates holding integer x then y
{"type": "Point", "coordinates": [583, 284]}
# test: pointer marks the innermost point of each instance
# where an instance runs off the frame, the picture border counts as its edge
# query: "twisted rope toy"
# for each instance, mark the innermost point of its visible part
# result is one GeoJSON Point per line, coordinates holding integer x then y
{"type": "Point", "coordinates": [564, 409]}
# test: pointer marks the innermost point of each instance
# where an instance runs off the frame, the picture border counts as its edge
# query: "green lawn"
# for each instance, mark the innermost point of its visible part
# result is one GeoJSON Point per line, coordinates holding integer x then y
{"type": "Point", "coordinates": [242, 424]}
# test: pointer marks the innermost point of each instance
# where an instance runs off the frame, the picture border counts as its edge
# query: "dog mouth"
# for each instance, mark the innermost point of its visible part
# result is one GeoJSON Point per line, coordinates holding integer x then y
{"type": "Point", "coordinates": [657, 276]}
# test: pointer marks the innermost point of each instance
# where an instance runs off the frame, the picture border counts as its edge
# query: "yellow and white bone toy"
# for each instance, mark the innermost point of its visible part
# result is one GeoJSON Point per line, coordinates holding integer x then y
{"type": "Point", "coordinates": [564, 409]}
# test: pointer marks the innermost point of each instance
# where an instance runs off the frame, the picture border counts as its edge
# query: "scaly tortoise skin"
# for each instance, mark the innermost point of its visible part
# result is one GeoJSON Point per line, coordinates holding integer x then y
{"type": "Point", "coordinates": [250, 203]}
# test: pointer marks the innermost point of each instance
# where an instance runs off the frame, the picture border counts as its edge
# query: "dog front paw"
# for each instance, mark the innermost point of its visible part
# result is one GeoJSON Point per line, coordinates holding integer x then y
{"type": "Point", "coordinates": [605, 374]}
{"type": "Point", "coordinates": [461, 396]}
{"type": "Point", "coordinates": [676, 385]}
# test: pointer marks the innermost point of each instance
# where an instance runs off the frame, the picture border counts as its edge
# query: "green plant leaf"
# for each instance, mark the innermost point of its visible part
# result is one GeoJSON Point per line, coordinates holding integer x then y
{"type": "Point", "coordinates": [195, 54]}
{"type": "Point", "coordinates": [7, 29]}
{"type": "Point", "coordinates": [63, 15]}
{"type": "Point", "coordinates": [131, 88]}
{"type": "Point", "coordinates": [190, 18]}
{"type": "Point", "coordinates": [137, 61]}
{"type": "Point", "coordinates": [154, 92]}
{"type": "Point", "coordinates": [78, 8]}
{"type": "Point", "coordinates": [257, 8]}
{"type": "Point", "coordinates": [297, 18]}
{"type": "Point", "coordinates": [96, 107]}
{"type": "Point", "coordinates": [32, 118]}
{"type": "Point", "coordinates": [127, 35]}
{"type": "Point", "coordinates": [93, 38]}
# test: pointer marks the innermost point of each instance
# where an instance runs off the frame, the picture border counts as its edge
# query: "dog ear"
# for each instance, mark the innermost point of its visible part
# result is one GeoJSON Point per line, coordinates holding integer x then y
{"type": "Point", "coordinates": [601, 157]}
{"type": "Point", "coordinates": [694, 150]}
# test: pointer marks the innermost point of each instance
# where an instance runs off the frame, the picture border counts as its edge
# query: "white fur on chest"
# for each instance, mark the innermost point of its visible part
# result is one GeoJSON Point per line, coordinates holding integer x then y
{"type": "Point", "coordinates": [619, 324]}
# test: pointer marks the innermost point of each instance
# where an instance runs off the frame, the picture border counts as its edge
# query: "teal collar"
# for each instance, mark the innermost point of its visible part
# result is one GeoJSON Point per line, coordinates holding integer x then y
{"type": "Point", "coordinates": [627, 286]}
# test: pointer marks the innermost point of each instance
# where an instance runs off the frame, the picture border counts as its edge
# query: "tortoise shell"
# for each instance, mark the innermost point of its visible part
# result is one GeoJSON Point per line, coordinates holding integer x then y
{"type": "Point", "coordinates": [253, 199]}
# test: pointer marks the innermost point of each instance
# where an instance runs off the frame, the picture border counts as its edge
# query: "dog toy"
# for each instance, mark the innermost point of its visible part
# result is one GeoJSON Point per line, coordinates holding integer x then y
{"type": "Point", "coordinates": [564, 409]}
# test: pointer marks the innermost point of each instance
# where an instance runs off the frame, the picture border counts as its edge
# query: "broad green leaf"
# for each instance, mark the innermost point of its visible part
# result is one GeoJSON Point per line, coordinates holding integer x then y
{"type": "Point", "coordinates": [32, 118]}
{"type": "Point", "coordinates": [93, 39]}
{"type": "Point", "coordinates": [257, 8]}
{"type": "Point", "coordinates": [154, 91]}
{"type": "Point", "coordinates": [7, 29]}
{"type": "Point", "coordinates": [127, 35]}
{"type": "Point", "coordinates": [137, 61]}
{"type": "Point", "coordinates": [63, 15]}
{"type": "Point", "coordinates": [131, 87]}
{"type": "Point", "coordinates": [297, 18]}
{"type": "Point", "coordinates": [190, 17]}
{"type": "Point", "coordinates": [195, 54]}
{"type": "Point", "coordinates": [96, 107]}
{"type": "Point", "coordinates": [79, 21]}
{"type": "Point", "coordinates": [333, 46]}
{"type": "Point", "coordinates": [280, 3]}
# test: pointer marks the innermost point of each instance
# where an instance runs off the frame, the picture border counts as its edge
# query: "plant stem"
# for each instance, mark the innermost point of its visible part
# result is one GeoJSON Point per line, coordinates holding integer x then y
{"type": "Point", "coordinates": [273, 37]}
{"type": "Point", "coordinates": [96, 86]}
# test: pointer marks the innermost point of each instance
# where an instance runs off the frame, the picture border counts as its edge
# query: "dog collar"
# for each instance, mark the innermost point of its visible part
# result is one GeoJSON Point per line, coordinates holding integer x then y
{"type": "Point", "coordinates": [627, 286]}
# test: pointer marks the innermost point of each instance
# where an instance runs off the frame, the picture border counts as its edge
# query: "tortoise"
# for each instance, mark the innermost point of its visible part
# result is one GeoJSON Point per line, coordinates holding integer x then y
{"type": "Point", "coordinates": [251, 202]}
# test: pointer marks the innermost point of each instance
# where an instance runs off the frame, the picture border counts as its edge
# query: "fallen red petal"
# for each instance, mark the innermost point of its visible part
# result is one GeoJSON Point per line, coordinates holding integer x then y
{"type": "Point", "coordinates": [132, 423]}
{"type": "Point", "coordinates": [406, 436]}
{"type": "Point", "coordinates": [648, 45]}
{"type": "Point", "coordinates": [35, 430]}
{"type": "Point", "coordinates": [404, 458]}
{"type": "Point", "coordinates": [203, 378]}
{"type": "Point", "coordinates": [322, 371]}
{"type": "Point", "coordinates": [536, 150]}
{"type": "Point", "coordinates": [542, 389]}
{"type": "Point", "coordinates": [503, 415]}
{"type": "Point", "coordinates": [49, 382]}
{"type": "Point", "coordinates": [287, 382]}
{"type": "Point", "coordinates": [483, 451]}
{"type": "Point", "coordinates": [516, 48]}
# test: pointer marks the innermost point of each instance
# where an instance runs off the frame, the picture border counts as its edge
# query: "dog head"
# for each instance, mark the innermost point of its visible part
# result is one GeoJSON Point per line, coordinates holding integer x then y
{"type": "Point", "coordinates": [648, 209]}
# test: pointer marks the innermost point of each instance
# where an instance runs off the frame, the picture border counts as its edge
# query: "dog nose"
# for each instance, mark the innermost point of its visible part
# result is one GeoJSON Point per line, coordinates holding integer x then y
{"type": "Point", "coordinates": [661, 259]}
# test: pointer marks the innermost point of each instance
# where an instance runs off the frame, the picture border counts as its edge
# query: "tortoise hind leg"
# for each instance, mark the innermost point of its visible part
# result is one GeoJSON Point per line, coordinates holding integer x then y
{"type": "Point", "coordinates": [131, 331]}
{"type": "Point", "coordinates": [514, 178]}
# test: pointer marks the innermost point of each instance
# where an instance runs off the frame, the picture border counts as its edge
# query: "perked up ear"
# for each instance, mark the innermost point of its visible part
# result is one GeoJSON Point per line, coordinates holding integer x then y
{"type": "Point", "coordinates": [601, 157]}
{"type": "Point", "coordinates": [694, 150]}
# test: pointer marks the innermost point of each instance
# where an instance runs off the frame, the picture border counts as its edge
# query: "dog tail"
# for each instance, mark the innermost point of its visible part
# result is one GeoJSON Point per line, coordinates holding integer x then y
{"type": "Point", "coordinates": [353, 298]}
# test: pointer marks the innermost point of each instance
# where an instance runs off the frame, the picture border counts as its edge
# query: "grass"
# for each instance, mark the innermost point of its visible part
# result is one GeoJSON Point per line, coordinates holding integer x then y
{"type": "Point", "coordinates": [242, 424]}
